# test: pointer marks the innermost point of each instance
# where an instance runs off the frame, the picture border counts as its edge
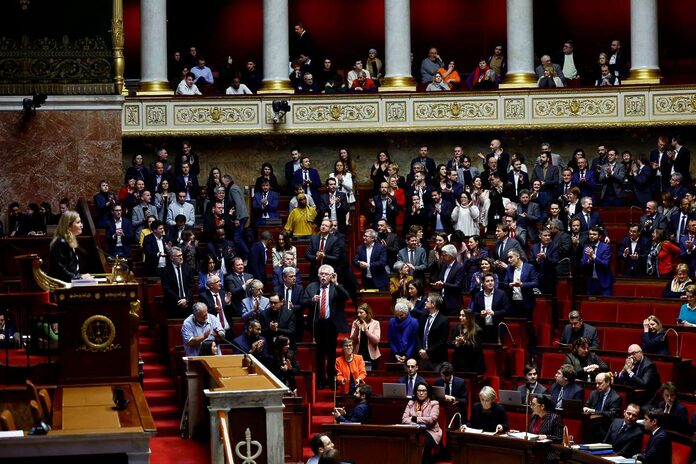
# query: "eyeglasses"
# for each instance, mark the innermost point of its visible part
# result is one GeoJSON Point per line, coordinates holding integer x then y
{"type": "Point", "coordinates": [420, 390]}
{"type": "Point", "coordinates": [631, 353]}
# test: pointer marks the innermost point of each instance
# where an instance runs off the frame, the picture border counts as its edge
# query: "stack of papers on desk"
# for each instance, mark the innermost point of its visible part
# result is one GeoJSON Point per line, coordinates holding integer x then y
{"type": "Point", "coordinates": [620, 459]}
{"type": "Point", "coordinates": [595, 446]}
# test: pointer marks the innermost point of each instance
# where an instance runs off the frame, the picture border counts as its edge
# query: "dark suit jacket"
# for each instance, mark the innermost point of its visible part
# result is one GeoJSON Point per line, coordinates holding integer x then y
{"type": "Point", "coordinates": [510, 244]}
{"type": "Point", "coordinates": [332, 252]}
{"type": "Point", "coordinates": [612, 405]}
{"type": "Point", "coordinates": [314, 182]}
{"type": "Point", "coordinates": [488, 421]}
{"type": "Point", "coordinates": [323, 209]}
{"type": "Point", "coordinates": [627, 444]}
{"type": "Point", "coordinates": [530, 281]}
{"type": "Point", "coordinates": [595, 220]}
{"type": "Point", "coordinates": [429, 165]}
{"type": "Point", "coordinates": [523, 182]}
{"type": "Point", "coordinates": [234, 286]}
{"type": "Point", "coordinates": [678, 417]}
{"type": "Point", "coordinates": [271, 207]}
{"type": "Point", "coordinates": [392, 210]}
{"type": "Point", "coordinates": [629, 266]}
{"type": "Point", "coordinates": [546, 269]}
{"type": "Point", "coordinates": [378, 264]}
{"type": "Point", "coordinates": [602, 263]}
{"type": "Point", "coordinates": [659, 221]}
{"type": "Point", "coordinates": [151, 250]}
{"type": "Point", "coordinates": [337, 301]}
{"type": "Point", "coordinates": [452, 291]}
{"type": "Point", "coordinates": [665, 167]}
{"type": "Point", "coordinates": [682, 163]}
{"type": "Point", "coordinates": [572, 391]}
{"type": "Point", "coordinates": [63, 262]}
{"type": "Point", "coordinates": [642, 182]}
{"type": "Point", "coordinates": [437, 338]}
{"type": "Point", "coordinates": [180, 185]}
{"type": "Point", "coordinates": [501, 305]}
{"type": "Point", "coordinates": [445, 216]}
{"type": "Point", "coordinates": [588, 331]}
{"type": "Point", "coordinates": [207, 297]}
{"type": "Point", "coordinates": [296, 295]}
{"type": "Point", "coordinates": [286, 323]}
{"type": "Point", "coordinates": [125, 240]}
{"type": "Point", "coordinates": [404, 380]}
{"type": "Point", "coordinates": [289, 171]}
{"type": "Point", "coordinates": [587, 187]}
{"type": "Point", "coordinates": [171, 290]}
{"type": "Point", "coordinates": [460, 393]}
{"type": "Point", "coordinates": [539, 389]}
{"type": "Point", "coordinates": [646, 376]}
{"type": "Point", "coordinates": [658, 450]}
{"type": "Point", "coordinates": [551, 179]}
{"type": "Point", "coordinates": [256, 264]}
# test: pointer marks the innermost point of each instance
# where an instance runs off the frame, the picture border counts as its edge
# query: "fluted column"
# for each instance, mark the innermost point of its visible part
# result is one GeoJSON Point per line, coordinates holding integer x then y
{"type": "Point", "coordinates": [276, 47]}
{"type": "Point", "coordinates": [397, 54]}
{"type": "Point", "coordinates": [645, 65]}
{"type": "Point", "coordinates": [520, 45]}
{"type": "Point", "coordinates": [117, 46]}
{"type": "Point", "coordinates": [153, 48]}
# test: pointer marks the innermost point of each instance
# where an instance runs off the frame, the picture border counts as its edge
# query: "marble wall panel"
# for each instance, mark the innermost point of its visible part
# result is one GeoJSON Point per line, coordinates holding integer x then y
{"type": "Point", "coordinates": [58, 154]}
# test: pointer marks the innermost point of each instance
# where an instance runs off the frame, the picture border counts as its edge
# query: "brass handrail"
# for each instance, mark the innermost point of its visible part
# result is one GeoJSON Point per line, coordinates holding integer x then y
{"type": "Point", "coordinates": [225, 437]}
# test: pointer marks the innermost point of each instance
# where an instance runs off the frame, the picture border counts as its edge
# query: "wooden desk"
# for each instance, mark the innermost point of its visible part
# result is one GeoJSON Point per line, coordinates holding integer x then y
{"type": "Point", "coordinates": [372, 443]}
{"type": "Point", "coordinates": [574, 456]}
{"type": "Point", "coordinates": [473, 448]}
{"type": "Point", "coordinates": [388, 411]}
{"type": "Point", "coordinates": [85, 423]}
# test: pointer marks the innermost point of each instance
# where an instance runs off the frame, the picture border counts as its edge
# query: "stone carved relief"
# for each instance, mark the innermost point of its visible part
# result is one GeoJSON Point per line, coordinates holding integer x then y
{"type": "Point", "coordinates": [202, 115]}
{"type": "Point", "coordinates": [575, 107]}
{"type": "Point", "coordinates": [350, 112]}
{"type": "Point", "coordinates": [429, 111]}
{"type": "Point", "coordinates": [634, 105]}
{"type": "Point", "coordinates": [156, 115]}
{"type": "Point", "coordinates": [132, 115]}
{"type": "Point", "coordinates": [514, 108]}
{"type": "Point", "coordinates": [396, 111]}
{"type": "Point", "coordinates": [675, 104]}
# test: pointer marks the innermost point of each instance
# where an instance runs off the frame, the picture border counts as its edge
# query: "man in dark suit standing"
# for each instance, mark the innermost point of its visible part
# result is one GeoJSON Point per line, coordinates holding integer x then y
{"type": "Point", "coordinates": [633, 252]}
{"type": "Point", "coordinates": [624, 434]}
{"type": "Point", "coordinates": [413, 256]}
{"type": "Point", "coordinates": [661, 163]}
{"type": "Point", "coordinates": [119, 233]}
{"type": "Point", "coordinates": [652, 220]}
{"type": "Point", "coordinates": [681, 159]}
{"type": "Point", "coordinates": [521, 279]}
{"type": "Point", "coordinates": [290, 168]}
{"type": "Point", "coordinates": [450, 280]}
{"type": "Point", "coordinates": [309, 178]}
{"type": "Point", "coordinates": [326, 301]}
{"type": "Point", "coordinates": [440, 213]}
{"type": "Point", "coordinates": [584, 179]}
{"type": "Point", "coordinates": [333, 205]}
{"type": "Point", "coordinates": [544, 257]}
{"type": "Point", "coordinates": [265, 205]}
{"type": "Point", "coordinates": [155, 249]}
{"type": "Point", "coordinates": [659, 447]}
{"type": "Point", "coordinates": [433, 331]}
{"type": "Point", "coordinates": [596, 262]}
{"type": "Point", "coordinates": [258, 255]}
{"type": "Point", "coordinates": [455, 389]}
{"type": "Point", "coordinates": [177, 284]}
{"type": "Point", "coordinates": [218, 303]}
{"type": "Point", "coordinates": [643, 180]}
{"type": "Point", "coordinates": [426, 161]}
{"type": "Point", "coordinates": [292, 295]}
{"type": "Point", "coordinates": [237, 282]}
{"type": "Point", "coordinates": [491, 305]}
{"type": "Point", "coordinates": [640, 372]}
{"type": "Point", "coordinates": [390, 240]}
{"type": "Point", "coordinates": [517, 180]}
{"type": "Point", "coordinates": [604, 402]}
{"type": "Point", "coordinates": [324, 248]}
{"type": "Point", "coordinates": [383, 206]}
{"type": "Point", "coordinates": [588, 218]}
{"type": "Point", "coordinates": [278, 320]}
{"type": "Point", "coordinates": [546, 173]}
{"type": "Point", "coordinates": [186, 182]}
{"type": "Point", "coordinates": [371, 259]}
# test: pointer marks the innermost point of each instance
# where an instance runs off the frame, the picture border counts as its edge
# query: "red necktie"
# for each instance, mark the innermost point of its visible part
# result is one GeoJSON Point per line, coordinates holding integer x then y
{"type": "Point", "coordinates": [221, 312]}
{"type": "Point", "coordinates": [322, 304]}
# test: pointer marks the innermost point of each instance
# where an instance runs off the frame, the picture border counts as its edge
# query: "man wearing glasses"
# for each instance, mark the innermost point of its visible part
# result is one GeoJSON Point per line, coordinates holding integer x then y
{"type": "Point", "coordinates": [640, 372]}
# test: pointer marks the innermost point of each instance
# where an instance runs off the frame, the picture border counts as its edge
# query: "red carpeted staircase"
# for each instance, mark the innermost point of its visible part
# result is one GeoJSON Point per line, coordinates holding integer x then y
{"type": "Point", "coordinates": [167, 446]}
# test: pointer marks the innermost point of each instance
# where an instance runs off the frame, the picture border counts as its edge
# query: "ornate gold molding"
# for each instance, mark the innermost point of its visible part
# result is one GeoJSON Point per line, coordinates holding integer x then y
{"type": "Point", "coordinates": [215, 115]}
{"type": "Point", "coordinates": [155, 88]}
{"type": "Point", "coordinates": [674, 104]}
{"type": "Point", "coordinates": [584, 107]}
{"type": "Point", "coordinates": [313, 113]}
{"type": "Point", "coordinates": [461, 109]}
{"type": "Point", "coordinates": [396, 111]}
{"type": "Point", "coordinates": [281, 86]}
{"type": "Point", "coordinates": [519, 81]}
{"type": "Point", "coordinates": [398, 84]}
{"type": "Point", "coordinates": [643, 76]}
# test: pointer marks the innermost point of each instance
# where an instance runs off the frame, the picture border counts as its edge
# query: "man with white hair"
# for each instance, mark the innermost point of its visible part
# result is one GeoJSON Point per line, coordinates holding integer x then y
{"type": "Point", "coordinates": [546, 59]}
{"type": "Point", "coordinates": [371, 259]}
{"type": "Point", "coordinates": [199, 327]}
{"type": "Point", "coordinates": [450, 279]}
{"type": "Point", "coordinates": [326, 301]}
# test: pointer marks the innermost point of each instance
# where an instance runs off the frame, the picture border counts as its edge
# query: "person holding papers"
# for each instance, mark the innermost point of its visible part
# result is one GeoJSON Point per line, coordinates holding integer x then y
{"type": "Point", "coordinates": [546, 423]}
{"type": "Point", "coordinates": [488, 415]}
{"type": "Point", "coordinates": [423, 410]}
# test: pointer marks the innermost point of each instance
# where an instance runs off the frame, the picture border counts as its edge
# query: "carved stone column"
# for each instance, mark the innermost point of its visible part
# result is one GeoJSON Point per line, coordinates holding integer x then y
{"type": "Point", "coordinates": [276, 47]}
{"type": "Point", "coordinates": [117, 45]}
{"type": "Point", "coordinates": [645, 65]}
{"type": "Point", "coordinates": [153, 48]}
{"type": "Point", "coordinates": [520, 45]}
{"type": "Point", "coordinates": [397, 54]}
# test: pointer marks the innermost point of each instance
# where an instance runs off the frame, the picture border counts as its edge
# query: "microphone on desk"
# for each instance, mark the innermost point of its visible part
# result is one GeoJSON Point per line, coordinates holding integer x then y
{"type": "Point", "coordinates": [676, 334]}
{"type": "Point", "coordinates": [507, 329]}
{"type": "Point", "coordinates": [561, 344]}
{"type": "Point", "coordinates": [456, 414]}
{"type": "Point", "coordinates": [246, 361]}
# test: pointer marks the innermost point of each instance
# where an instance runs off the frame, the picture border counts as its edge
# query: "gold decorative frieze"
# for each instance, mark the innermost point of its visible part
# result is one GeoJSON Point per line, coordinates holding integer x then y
{"type": "Point", "coordinates": [156, 115]}
{"type": "Point", "coordinates": [448, 110]}
{"type": "Point", "coordinates": [312, 113]}
{"type": "Point", "coordinates": [396, 111]}
{"type": "Point", "coordinates": [131, 115]}
{"type": "Point", "coordinates": [678, 104]}
{"type": "Point", "coordinates": [515, 108]}
{"type": "Point", "coordinates": [215, 115]}
{"type": "Point", "coordinates": [583, 107]}
{"type": "Point", "coordinates": [634, 105]}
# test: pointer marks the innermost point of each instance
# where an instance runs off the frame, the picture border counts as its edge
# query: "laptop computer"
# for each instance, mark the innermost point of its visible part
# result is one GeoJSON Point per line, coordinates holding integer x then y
{"type": "Point", "coordinates": [439, 393]}
{"type": "Point", "coordinates": [510, 397]}
{"type": "Point", "coordinates": [572, 407]}
{"type": "Point", "coordinates": [394, 390]}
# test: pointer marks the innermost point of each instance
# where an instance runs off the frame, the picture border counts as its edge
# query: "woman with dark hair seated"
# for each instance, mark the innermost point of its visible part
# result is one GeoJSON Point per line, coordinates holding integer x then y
{"type": "Point", "coordinates": [653, 337]}
{"type": "Point", "coordinates": [546, 423]}
{"type": "Point", "coordinates": [417, 298]}
{"type": "Point", "coordinates": [488, 415]}
{"type": "Point", "coordinates": [585, 362]}
{"type": "Point", "coordinates": [422, 409]}
{"type": "Point", "coordinates": [282, 363]}
{"type": "Point", "coordinates": [676, 288]}
{"type": "Point", "coordinates": [208, 348]}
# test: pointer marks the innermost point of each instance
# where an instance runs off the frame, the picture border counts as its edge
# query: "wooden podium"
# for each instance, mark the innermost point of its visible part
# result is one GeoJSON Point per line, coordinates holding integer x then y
{"type": "Point", "coordinates": [253, 405]}
{"type": "Point", "coordinates": [98, 333]}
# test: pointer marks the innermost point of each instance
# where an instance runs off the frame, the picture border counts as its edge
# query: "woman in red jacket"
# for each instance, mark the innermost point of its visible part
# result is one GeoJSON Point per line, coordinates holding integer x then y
{"type": "Point", "coordinates": [350, 369]}
{"type": "Point", "coordinates": [663, 256]}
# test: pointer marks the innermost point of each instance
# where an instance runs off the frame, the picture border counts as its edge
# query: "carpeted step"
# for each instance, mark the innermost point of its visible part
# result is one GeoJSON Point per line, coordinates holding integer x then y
{"type": "Point", "coordinates": [166, 450]}
{"type": "Point", "coordinates": [147, 344]}
{"type": "Point", "coordinates": [156, 383]}
{"type": "Point", "coordinates": [160, 397]}
{"type": "Point", "coordinates": [168, 427]}
{"type": "Point", "coordinates": [318, 421]}
{"type": "Point", "coordinates": [150, 357]}
{"type": "Point", "coordinates": [155, 370]}
{"type": "Point", "coordinates": [165, 412]}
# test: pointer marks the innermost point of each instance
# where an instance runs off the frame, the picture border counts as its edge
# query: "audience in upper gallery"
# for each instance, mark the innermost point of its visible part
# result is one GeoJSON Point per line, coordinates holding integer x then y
{"type": "Point", "coordinates": [187, 87]}
{"type": "Point", "coordinates": [482, 77]}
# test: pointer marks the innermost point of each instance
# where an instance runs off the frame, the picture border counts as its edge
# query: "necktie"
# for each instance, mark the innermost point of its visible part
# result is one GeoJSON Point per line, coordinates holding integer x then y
{"type": "Point", "coordinates": [543, 249]}
{"type": "Point", "coordinates": [287, 297]}
{"type": "Point", "coordinates": [410, 256]}
{"type": "Point", "coordinates": [322, 304]}
{"type": "Point", "coordinates": [668, 407]}
{"type": "Point", "coordinates": [410, 386]}
{"type": "Point", "coordinates": [221, 312]}
{"type": "Point", "coordinates": [180, 282]}
{"type": "Point", "coordinates": [582, 174]}
{"type": "Point", "coordinates": [604, 400]}
{"type": "Point", "coordinates": [241, 278]}
{"type": "Point", "coordinates": [257, 304]}
{"type": "Point", "coordinates": [559, 401]}
{"type": "Point", "coordinates": [427, 331]}
{"type": "Point", "coordinates": [565, 188]}
{"type": "Point", "coordinates": [680, 230]}
{"type": "Point", "coordinates": [321, 245]}
{"type": "Point", "coordinates": [587, 220]}
{"type": "Point", "coordinates": [448, 388]}
{"type": "Point", "coordinates": [621, 430]}
{"type": "Point", "coordinates": [500, 250]}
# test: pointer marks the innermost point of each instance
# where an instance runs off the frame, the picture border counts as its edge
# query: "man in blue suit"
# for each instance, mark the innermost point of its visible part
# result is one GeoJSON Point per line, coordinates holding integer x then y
{"type": "Point", "coordinates": [521, 279]}
{"type": "Point", "coordinates": [309, 178]}
{"type": "Point", "coordinates": [491, 305]}
{"type": "Point", "coordinates": [450, 280]}
{"type": "Point", "coordinates": [383, 206]}
{"type": "Point", "coordinates": [361, 412]}
{"type": "Point", "coordinates": [643, 175]}
{"type": "Point", "coordinates": [565, 387]}
{"type": "Point", "coordinates": [687, 245]}
{"type": "Point", "coordinates": [119, 233]}
{"type": "Point", "coordinates": [371, 258]}
{"type": "Point", "coordinates": [679, 220]}
{"type": "Point", "coordinates": [258, 255]}
{"type": "Point", "coordinates": [411, 378]}
{"type": "Point", "coordinates": [588, 218]}
{"type": "Point", "coordinates": [265, 205]}
{"type": "Point", "coordinates": [584, 179]}
{"type": "Point", "coordinates": [455, 389]}
{"type": "Point", "coordinates": [659, 447]}
{"type": "Point", "coordinates": [544, 257]}
{"type": "Point", "coordinates": [596, 262]}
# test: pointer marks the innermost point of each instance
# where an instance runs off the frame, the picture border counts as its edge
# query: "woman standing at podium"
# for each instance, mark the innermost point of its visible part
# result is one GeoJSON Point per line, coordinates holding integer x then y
{"type": "Point", "coordinates": [488, 415]}
{"type": "Point", "coordinates": [423, 410]}
{"type": "Point", "coordinates": [63, 261]}
{"type": "Point", "coordinates": [546, 423]}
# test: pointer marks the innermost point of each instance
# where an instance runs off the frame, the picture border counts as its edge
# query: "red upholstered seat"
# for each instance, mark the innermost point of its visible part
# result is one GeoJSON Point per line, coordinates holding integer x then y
{"type": "Point", "coordinates": [604, 311]}
{"type": "Point", "coordinates": [619, 338]}
{"type": "Point", "coordinates": [632, 313]}
{"type": "Point", "coordinates": [687, 345]}
{"type": "Point", "coordinates": [667, 313]}
{"type": "Point", "coordinates": [543, 311]}
{"type": "Point", "coordinates": [550, 362]}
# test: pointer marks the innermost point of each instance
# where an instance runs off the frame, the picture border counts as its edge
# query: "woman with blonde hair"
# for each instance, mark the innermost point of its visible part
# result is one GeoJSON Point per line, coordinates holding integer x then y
{"type": "Point", "coordinates": [365, 333]}
{"type": "Point", "coordinates": [654, 341]}
{"type": "Point", "coordinates": [676, 288]}
{"type": "Point", "coordinates": [64, 263]}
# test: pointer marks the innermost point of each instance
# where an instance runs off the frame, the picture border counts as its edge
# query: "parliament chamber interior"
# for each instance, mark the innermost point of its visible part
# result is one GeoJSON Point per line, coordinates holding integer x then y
{"type": "Point", "coordinates": [214, 248]}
